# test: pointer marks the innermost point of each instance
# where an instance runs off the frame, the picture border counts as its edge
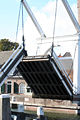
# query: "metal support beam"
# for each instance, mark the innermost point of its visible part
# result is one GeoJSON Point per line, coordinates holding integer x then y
{"type": "Point", "coordinates": [76, 67]}
{"type": "Point", "coordinates": [33, 18]}
{"type": "Point", "coordinates": [71, 14]}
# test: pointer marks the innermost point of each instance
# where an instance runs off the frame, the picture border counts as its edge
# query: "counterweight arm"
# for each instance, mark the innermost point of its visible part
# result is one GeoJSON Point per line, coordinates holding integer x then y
{"type": "Point", "coordinates": [33, 18]}
{"type": "Point", "coordinates": [71, 14]}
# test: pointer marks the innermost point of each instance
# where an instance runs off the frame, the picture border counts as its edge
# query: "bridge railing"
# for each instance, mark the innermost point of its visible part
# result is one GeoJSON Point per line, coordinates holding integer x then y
{"type": "Point", "coordinates": [62, 69]}
{"type": "Point", "coordinates": [10, 58]}
{"type": "Point", "coordinates": [10, 65]}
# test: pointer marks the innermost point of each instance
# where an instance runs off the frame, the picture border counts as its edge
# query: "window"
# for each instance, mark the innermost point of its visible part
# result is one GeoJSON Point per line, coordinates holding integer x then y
{"type": "Point", "coordinates": [16, 87]}
{"type": "Point", "coordinates": [3, 89]}
{"type": "Point", "coordinates": [9, 86]}
{"type": "Point", "coordinates": [28, 89]}
{"type": "Point", "coordinates": [22, 88]}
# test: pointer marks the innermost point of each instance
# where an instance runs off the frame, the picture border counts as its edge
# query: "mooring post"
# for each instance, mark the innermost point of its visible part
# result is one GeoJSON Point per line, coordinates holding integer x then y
{"type": "Point", "coordinates": [40, 114]}
{"type": "Point", "coordinates": [5, 112]}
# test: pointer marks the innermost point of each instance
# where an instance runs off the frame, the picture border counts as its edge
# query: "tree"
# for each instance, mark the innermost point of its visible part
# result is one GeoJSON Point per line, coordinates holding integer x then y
{"type": "Point", "coordinates": [6, 45]}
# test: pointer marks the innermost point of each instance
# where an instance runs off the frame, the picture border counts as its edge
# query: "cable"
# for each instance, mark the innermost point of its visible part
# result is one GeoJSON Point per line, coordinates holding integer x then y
{"type": "Point", "coordinates": [54, 26]}
{"type": "Point", "coordinates": [21, 5]}
{"type": "Point", "coordinates": [23, 28]}
{"type": "Point", "coordinates": [17, 26]}
{"type": "Point", "coordinates": [22, 21]}
{"type": "Point", "coordinates": [18, 21]}
{"type": "Point", "coordinates": [55, 20]}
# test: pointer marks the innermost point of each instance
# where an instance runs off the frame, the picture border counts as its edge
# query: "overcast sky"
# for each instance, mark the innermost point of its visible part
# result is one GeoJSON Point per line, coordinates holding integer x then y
{"type": "Point", "coordinates": [44, 11]}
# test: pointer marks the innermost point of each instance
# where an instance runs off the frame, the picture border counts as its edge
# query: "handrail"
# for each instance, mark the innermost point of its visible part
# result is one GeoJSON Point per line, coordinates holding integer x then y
{"type": "Point", "coordinates": [12, 60]}
{"type": "Point", "coordinates": [62, 69]}
{"type": "Point", "coordinates": [11, 57]}
{"type": "Point", "coordinates": [11, 64]}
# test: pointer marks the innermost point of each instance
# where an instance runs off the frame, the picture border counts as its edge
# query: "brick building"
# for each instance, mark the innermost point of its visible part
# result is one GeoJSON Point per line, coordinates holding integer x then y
{"type": "Point", "coordinates": [15, 84]}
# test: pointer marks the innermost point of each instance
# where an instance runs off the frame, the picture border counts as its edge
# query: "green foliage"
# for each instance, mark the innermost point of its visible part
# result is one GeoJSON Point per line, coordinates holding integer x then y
{"type": "Point", "coordinates": [6, 45]}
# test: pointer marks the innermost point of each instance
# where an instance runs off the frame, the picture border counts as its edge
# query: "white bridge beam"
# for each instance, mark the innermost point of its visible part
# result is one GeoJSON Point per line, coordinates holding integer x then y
{"type": "Point", "coordinates": [71, 14]}
{"type": "Point", "coordinates": [76, 67]}
{"type": "Point", "coordinates": [76, 76]}
{"type": "Point", "coordinates": [33, 18]}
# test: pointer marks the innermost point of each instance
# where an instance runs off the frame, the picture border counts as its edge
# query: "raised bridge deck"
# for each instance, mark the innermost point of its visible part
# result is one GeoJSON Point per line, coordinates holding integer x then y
{"type": "Point", "coordinates": [46, 78]}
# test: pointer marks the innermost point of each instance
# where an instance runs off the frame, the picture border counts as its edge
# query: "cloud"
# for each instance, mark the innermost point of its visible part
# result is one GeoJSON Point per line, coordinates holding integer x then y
{"type": "Point", "coordinates": [18, 0]}
{"type": "Point", "coordinates": [45, 17]}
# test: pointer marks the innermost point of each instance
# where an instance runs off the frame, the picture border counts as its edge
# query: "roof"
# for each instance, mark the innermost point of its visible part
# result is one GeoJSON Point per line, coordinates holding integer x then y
{"type": "Point", "coordinates": [4, 55]}
{"type": "Point", "coordinates": [67, 54]}
{"type": "Point", "coordinates": [67, 62]}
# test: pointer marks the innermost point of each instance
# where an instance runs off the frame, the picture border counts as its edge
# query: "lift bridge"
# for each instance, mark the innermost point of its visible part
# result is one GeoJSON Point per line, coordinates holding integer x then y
{"type": "Point", "coordinates": [44, 74]}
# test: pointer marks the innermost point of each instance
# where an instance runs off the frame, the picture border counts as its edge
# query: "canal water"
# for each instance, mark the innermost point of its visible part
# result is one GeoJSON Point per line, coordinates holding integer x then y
{"type": "Point", "coordinates": [58, 116]}
{"type": "Point", "coordinates": [52, 116]}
